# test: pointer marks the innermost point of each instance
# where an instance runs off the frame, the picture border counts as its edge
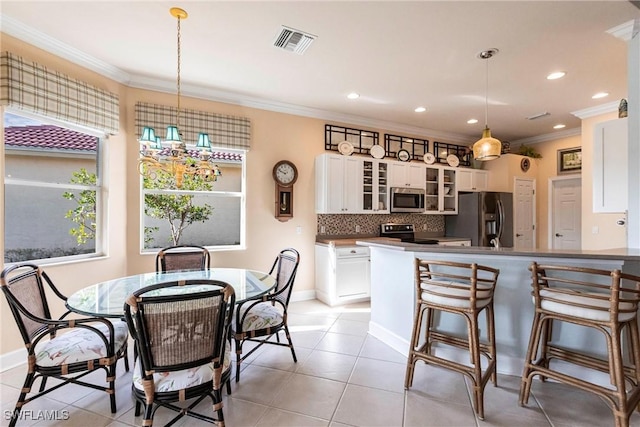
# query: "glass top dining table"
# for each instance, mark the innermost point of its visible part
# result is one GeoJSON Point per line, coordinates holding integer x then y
{"type": "Point", "coordinates": [106, 299]}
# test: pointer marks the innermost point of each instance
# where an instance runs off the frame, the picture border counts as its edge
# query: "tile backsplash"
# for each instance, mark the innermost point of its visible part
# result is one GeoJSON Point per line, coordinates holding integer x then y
{"type": "Point", "coordinates": [344, 224]}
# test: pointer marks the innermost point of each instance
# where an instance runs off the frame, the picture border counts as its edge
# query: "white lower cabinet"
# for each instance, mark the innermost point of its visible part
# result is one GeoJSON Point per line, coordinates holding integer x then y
{"type": "Point", "coordinates": [342, 274]}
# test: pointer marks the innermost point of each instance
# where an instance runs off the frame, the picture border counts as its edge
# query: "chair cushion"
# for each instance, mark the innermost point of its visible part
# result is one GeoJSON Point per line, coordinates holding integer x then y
{"type": "Point", "coordinates": [584, 298]}
{"type": "Point", "coordinates": [261, 316]}
{"type": "Point", "coordinates": [455, 297]}
{"type": "Point", "coordinates": [79, 345]}
{"type": "Point", "coordinates": [178, 380]}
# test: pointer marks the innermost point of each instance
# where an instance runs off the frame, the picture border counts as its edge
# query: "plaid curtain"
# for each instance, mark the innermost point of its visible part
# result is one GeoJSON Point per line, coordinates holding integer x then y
{"type": "Point", "coordinates": [224, 131]}
{"type": "Point", "coordinates": [32, 87]}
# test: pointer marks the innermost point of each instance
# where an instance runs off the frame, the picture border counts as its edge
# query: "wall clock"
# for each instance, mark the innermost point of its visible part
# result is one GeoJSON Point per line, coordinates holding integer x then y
{"type": "Point", "coordinates": [525, 164]}
{"type": "Point", "coordinates": [285, 175]}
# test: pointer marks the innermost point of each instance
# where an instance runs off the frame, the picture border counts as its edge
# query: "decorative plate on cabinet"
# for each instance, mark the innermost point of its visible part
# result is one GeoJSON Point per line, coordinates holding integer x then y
{"type": "Point", "coordinates": [345, 148]}
{"type": "Point", "coordinates": [453, 160]}
{"type": "Point", "coordinates": [403, 155]}
{"type": "Point", "coordinates": [377, 151]}
{"type": "Point", "coordinates": [429, 158]}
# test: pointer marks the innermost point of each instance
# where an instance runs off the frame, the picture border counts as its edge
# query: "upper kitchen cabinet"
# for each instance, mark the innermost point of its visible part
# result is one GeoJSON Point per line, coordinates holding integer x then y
{"type": "Point", "coordinates": [375, 186]}
{"type": "Point", "coordinates": [441, 193]}
{"type": "Point", "coordinates": [503, 171]}
{"type": "Point", "coordinates": [407, 175]}
{"type": "Point", "coordinates": [472, 180]}
{"type": "Point", "coordinates": [610, 142]}
{"type": "Point", "coordinates": [338, 184]}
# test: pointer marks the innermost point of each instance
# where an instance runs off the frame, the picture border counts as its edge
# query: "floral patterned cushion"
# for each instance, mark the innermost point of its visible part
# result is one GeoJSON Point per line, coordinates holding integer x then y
{"type": "Point", "coordinates": [261, 316]}
{"type": "Point", "coordinates": [178, 380]}
{"type": "Point", "coordinates": [79, 345]}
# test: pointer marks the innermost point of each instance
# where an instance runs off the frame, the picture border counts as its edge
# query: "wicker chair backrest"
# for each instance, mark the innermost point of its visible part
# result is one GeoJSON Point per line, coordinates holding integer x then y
{"type": "Point", "coordinates": [23, 284]}
{"type": "Point", "coordinates": [286, 266]}
{"type": "Point", "coordinates": [179, 331]}
{"type": "Point", "coordinates": [183, 258]}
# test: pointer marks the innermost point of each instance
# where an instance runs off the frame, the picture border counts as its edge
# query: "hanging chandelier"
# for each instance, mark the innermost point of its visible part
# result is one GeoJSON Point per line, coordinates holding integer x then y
{"type": "Point", "coordinates": [171, 155]}
{"type": "Point", "coordinates": [487, 148]}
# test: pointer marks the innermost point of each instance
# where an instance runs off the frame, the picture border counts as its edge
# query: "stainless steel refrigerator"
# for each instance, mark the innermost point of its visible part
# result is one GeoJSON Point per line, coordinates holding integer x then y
{"type": "Point", "coordinates": [483, 216]}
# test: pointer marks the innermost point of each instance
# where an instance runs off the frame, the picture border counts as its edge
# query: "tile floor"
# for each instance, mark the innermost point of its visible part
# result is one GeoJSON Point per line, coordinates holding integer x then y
{"type": "Point", "coordinates": [343, 378]}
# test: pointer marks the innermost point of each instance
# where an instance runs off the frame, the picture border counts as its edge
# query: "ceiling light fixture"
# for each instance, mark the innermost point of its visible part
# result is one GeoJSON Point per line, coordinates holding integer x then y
{"type": "Point", "coordinates": [420, 110]}
{"type": "Point", "coordinates": [600, 95]}
{"type": "Point", "coordinates": [559, 126]}
{"type": "Point", "coordinates": [353, 95]}
{"type": "Point", "coordinates": [487, 148]}
{"type": "Point", "coordinates": [556, 75]}
{"type": "Point", "coordinates": [171, 156]}
{"type": "Point", "coordinates": [472, 121]}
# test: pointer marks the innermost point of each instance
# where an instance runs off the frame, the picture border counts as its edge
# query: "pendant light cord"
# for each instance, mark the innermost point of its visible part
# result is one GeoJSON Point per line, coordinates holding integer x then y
{"type": "Point", "coordinates": [178, 78]}
{"type": "Point", "coordinates": [486, 98]}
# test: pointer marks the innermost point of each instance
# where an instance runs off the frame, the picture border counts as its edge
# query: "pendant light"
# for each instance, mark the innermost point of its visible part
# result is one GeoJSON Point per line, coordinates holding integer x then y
{"type": "Point", "coordinates": [174, 157]}
{"type": "Point", "coordinates": [487, 148]}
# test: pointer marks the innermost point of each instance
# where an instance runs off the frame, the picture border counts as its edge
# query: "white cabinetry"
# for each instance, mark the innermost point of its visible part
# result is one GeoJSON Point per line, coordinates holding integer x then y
{"type": "Point", "coordinates": [407, 175]}
{"type": "Point", "coordinates": [610, 142]}
{"type": "Point", "coordinates": [375, 186]}
{"type": "Point", "coordinates": [342, 274]}
{"type": "Point", "coordinates": [472, 180]}
{"type": "Point", "coordinates": [338, 184]}
{"type": "Point", "coordinates": [441, 193]}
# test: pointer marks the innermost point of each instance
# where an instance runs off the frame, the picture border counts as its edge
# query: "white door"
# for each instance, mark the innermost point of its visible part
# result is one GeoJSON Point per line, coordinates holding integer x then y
{"type": "Point", "coordinates": [566, 214]}
{"type": "Point", "coordinates": [524, 213]}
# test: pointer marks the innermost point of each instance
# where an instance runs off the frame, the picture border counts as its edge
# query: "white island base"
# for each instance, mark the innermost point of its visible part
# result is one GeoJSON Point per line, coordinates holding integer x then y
{"type": "Point", "coordinates": [393, 298]}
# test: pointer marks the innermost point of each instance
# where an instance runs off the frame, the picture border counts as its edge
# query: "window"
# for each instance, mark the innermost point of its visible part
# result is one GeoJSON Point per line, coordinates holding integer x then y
{"type": "Point", "coordinates": [210, 214]}
{"type": "Point", "coordinates": [52, 190]}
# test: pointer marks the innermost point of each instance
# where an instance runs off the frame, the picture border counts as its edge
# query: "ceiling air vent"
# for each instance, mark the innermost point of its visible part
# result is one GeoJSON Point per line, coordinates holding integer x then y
{"type": "Point", "coordinates": [293, 40]}
{"type": "Point", "coordinates": [539, 116]}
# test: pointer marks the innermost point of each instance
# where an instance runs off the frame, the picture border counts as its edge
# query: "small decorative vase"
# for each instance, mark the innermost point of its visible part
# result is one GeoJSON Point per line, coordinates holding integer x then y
{"type": "Point", "coordinates": [622, 109]}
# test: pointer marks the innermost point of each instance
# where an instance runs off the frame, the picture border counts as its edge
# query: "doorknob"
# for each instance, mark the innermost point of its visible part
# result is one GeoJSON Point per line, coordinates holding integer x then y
{"type": "Point", "coordinates": [518, 235]}
{"type": "Point", "coordinates": [558, 235]}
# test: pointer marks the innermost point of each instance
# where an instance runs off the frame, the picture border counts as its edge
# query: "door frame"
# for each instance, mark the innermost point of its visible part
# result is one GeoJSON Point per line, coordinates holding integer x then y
{"type": "Point", "coordinates": [550, 223]}
{"type": "Point", "coordinates": [533, 208]}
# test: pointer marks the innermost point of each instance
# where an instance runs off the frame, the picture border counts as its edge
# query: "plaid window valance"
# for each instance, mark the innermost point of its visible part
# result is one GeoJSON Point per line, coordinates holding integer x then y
{"type": "Point", "coordinates": [34, 88]}
{"type": "Point", "coordinates": [224, 131]}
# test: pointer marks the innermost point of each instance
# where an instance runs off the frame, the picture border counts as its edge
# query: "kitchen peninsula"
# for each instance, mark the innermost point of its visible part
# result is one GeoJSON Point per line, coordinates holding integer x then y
{"type": "Point", "coordinates": [393, 294]}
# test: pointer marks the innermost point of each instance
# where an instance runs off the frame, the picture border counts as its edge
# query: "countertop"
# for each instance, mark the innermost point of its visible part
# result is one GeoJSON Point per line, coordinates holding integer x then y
{"type": "Point", "coordinates": [350, 240]}
{"type": "Point", "coordinates": [619, 253]}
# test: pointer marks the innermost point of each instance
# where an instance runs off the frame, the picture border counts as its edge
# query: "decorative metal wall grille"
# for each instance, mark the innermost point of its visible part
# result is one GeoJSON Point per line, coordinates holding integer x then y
{"type": "Point", "coordinates": [362, 140]}
{"type": "Point", "coordinates": [416, 147]}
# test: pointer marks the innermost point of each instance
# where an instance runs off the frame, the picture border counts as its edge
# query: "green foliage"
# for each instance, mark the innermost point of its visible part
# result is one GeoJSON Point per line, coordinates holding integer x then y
{"type": "Point", "coordinates": [529, 152]}
{"type": "Point", "coordinates": [178, 209]}
{"type": "Point", "coordinates": [84, 215]}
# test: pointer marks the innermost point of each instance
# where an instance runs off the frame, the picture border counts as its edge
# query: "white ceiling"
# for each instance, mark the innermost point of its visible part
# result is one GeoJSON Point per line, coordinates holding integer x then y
{"type": "Point", "coordinates": [397, 55]}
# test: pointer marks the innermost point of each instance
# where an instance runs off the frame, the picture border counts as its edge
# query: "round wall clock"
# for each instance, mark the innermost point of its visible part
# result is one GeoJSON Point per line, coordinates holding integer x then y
{"type": "Point", "coordinates": [285, 173]}
{"type": "Point", "coordinates": [525, 164]}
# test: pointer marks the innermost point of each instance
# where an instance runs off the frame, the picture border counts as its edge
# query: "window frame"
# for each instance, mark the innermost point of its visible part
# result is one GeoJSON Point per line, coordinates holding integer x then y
{"type": "Point", "coordinates": [100, 241]}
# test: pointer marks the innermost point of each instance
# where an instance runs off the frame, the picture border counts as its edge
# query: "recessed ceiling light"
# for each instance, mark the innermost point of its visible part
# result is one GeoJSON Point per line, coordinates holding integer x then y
{"type": "Point", "coordinates": [353, 95]}
{"type": "Point", "coordinates": [420, 110]}
{"type": "Point", "coordinates": [556, 75]}
{"type": "Point", "coordinates": [559, 126]}
{"type": "Point", "coordinates": [472, 121]}
{"type": "Point", "coordinates": [600, 95]}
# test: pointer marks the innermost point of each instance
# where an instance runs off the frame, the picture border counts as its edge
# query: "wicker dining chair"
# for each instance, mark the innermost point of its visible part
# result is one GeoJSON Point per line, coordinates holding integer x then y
{"type": "Point", "coordinates": [83, 346]}
{"type": "Point", "coordinates": [261, 318]}
{"type": "Point", "coordinates": [465, 290]}
{"type": "Point", "coordinates": [183, 346]}
{"type": "Point", "coordinates": [183, 257]}
{"type": "Point", "coordinates": [604, 300]}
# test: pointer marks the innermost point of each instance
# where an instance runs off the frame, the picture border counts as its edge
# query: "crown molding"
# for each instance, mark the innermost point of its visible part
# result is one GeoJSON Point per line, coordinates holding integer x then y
{"type": "Point", "coordinates": [625, 31]}
{"type": "Point", "coordinates": [596, 111]}
{"type": "Point", "coordinates": [41, 40]}
{"type": "Point", "coordinates": [549, 136]}
{"type": "Point", "coordinates": [210, 94]}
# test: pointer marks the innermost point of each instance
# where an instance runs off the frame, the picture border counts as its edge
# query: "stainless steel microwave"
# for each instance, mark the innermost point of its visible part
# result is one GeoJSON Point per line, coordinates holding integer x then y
{"type": "Point", "coordinates": [405, 199]}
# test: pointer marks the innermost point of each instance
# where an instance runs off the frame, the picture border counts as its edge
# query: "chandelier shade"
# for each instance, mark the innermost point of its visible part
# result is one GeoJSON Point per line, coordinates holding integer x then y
{"type": "Point", "coordinates": [172, 157]}
{"type": "Point", "coordinates": [487, 147]}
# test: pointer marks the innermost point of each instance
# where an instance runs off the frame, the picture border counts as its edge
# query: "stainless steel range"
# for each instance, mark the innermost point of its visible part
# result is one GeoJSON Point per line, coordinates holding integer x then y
{"type": "Point", "coordinates": [404, 232]}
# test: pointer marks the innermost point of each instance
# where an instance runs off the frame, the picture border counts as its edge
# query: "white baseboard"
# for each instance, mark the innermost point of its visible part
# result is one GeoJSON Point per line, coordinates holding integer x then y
{"type": "Point", "coordinates": [303, 295]}
{"type": "Point", "coordinates": [13, 359]}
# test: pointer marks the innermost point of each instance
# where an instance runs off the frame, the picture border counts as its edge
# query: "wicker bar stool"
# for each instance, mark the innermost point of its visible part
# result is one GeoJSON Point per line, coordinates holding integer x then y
{"type": "Point", "coordinates": [466, 290]}
{"type": "Point", "coordinates": [601, 299]}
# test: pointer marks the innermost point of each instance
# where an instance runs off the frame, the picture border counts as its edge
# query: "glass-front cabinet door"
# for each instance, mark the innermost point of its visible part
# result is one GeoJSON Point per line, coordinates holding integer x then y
{"type": "Point", "coordinates": [441, 193]}
{"type": "Point", "coordinates": [375, 194]}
